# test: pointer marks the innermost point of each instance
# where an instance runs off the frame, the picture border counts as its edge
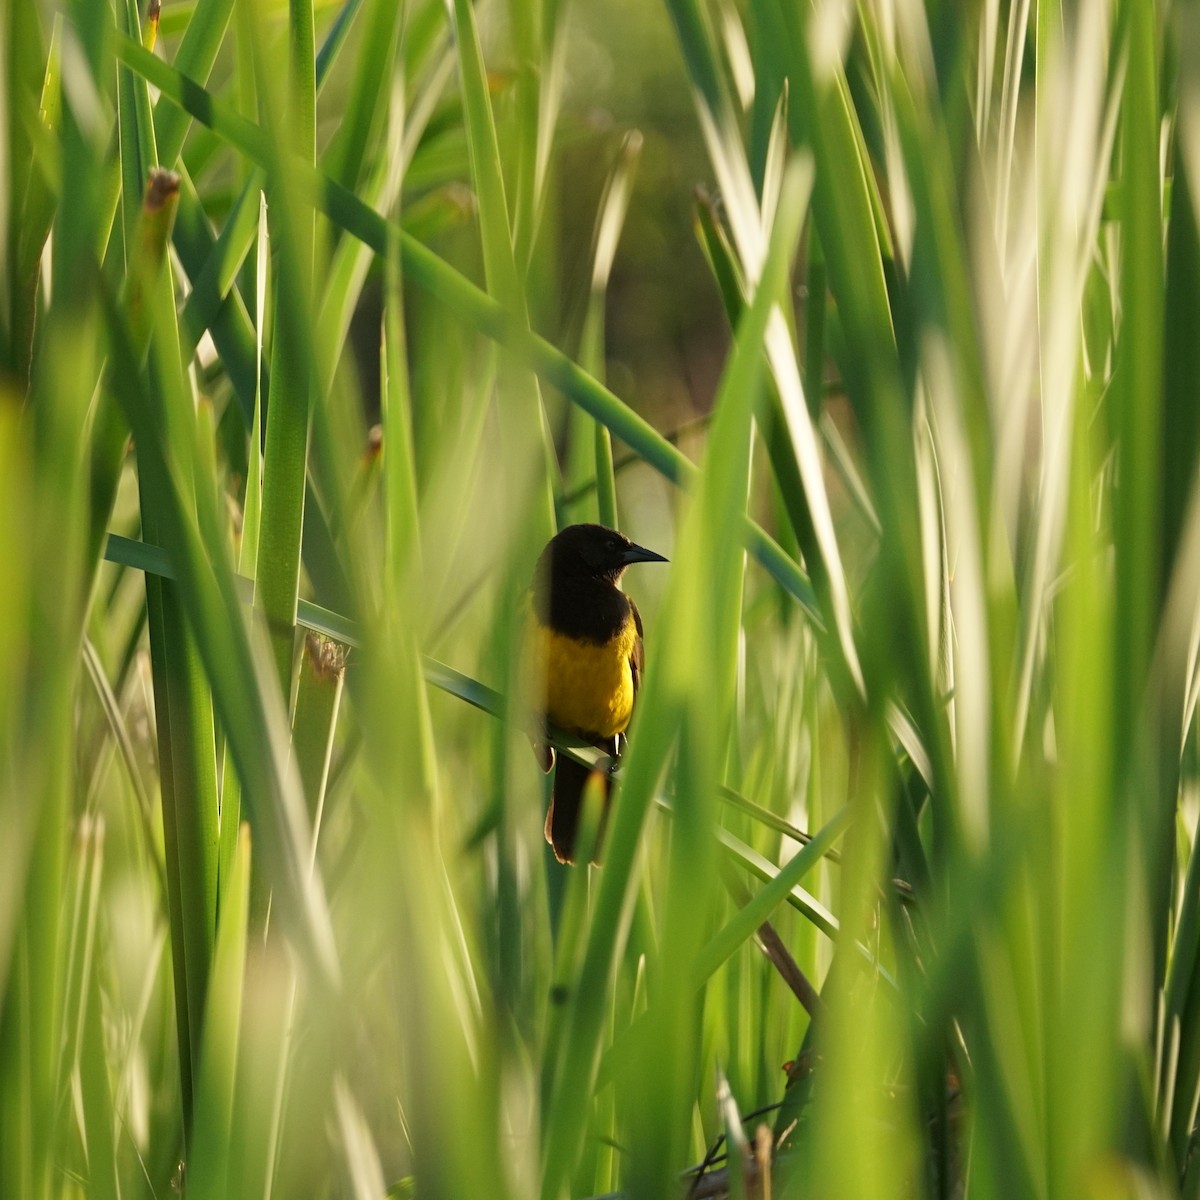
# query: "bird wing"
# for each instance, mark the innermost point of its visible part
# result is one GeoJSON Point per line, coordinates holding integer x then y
{"type": "Point", "coordinates": [637, 657]}
{"type": "Point", "coordinates": [637, 661]}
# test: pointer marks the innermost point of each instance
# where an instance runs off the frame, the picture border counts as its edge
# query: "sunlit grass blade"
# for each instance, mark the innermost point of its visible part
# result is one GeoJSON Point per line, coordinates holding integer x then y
{"type": "Point", "coordinates": [362, 1158]}
{"type": "Point", "coordinates": [402, 530]}
{"type": "Point", "coordinates": [609, 219]}
{"type": "Point", "coordinates": [730, 278]}
{"type": "Point", "coordinates": [793, 438]}
{"type": "Point", "coordinates": [85, 1048]}
{"type": "Point", "coordinates": [33, 159]}
{"type": "Point", "coordinates": [844, 208]}
{"type": "Point", "coordinates": [120, 734]}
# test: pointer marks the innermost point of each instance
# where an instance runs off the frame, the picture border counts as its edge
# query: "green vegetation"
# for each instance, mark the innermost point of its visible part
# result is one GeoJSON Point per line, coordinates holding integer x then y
{"type": "Point", "coordinates": [305, 322]}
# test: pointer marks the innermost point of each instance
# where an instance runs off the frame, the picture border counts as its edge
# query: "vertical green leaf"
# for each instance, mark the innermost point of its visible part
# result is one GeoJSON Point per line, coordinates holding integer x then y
{"type": "Point", "coordinates": [209, 1165]}
{"type": "Point", "coordinates": [1136, 408]}
{"type": "Point", "coordinates": [277, 576]}
{"type": "Point", "coordinates": [318, 693]}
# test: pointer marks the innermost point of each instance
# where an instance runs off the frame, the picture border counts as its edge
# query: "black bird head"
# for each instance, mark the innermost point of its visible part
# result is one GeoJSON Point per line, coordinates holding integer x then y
{"type": "Point", "coordinates": [582, 552]}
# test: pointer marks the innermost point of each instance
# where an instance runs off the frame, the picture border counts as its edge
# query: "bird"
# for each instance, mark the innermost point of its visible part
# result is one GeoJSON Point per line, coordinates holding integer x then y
{"type": "Point", "coordinates": [587, 646]}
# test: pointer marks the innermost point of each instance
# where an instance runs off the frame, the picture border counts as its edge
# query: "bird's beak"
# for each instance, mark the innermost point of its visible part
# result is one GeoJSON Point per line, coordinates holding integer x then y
{"type": "Point", "coordinates": [637, 554]}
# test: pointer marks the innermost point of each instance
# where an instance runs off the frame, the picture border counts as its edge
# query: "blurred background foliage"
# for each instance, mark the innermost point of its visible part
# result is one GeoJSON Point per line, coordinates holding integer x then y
{"type": "Point", "coordinates": [878, 318]}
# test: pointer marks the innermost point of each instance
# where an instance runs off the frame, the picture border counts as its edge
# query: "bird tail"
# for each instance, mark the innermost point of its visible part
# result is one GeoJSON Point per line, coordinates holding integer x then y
{"type": "Point", "coordinates": [566, 806]}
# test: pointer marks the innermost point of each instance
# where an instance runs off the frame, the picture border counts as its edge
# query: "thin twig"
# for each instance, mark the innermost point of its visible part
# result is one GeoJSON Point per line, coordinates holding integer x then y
{"type": "Point", "coordinates": [773, 947]}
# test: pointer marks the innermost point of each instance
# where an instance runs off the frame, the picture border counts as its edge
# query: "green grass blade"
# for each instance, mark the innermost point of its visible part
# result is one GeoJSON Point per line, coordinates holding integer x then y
{"type": "Point", "coordinates": [403, 546]}
{"type": "Point", "coordinates": [212, 285]}
{"type": "Point", "coordinates": [29, 157]}
{"type": "Point", "coordinates": [318, 694]}
{"type": "Point", "coordinates": [366, 108]}
{"type": "Point", "coordinates": [209, 1166]}
{"type": "Point", "coordinates": [1137, 416]}
{"type": "Point", "coordinates": [195, 58]}
{"type": "Point", "coordinates": [277, 575]}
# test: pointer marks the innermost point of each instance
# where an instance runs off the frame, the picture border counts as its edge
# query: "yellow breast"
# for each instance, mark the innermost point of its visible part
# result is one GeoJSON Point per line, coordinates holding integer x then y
{"type": "Point", "coordinates": [586, 688]}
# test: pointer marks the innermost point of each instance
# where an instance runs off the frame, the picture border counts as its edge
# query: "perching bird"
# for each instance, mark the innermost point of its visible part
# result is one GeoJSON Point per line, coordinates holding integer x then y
{"type": "Point", "coordinates": [588, 641]}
